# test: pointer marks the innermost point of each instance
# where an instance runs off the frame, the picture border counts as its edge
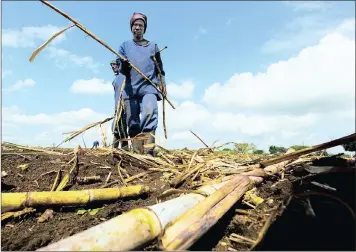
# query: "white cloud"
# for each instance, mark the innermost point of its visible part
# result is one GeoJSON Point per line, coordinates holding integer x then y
{"type": "Point", "coordinates": [187, 115]}
{"type": "Point", "coordinates": [65, 59]}
{"type": "Point", "coordinates": [30, 36]}
{"type": "Point", "coordinates": [202, 31]}
{"type": "Point", "coordinates": [307, 99]}
{"type": "Point", "coordinates": [92, 86]}
{"type": "Point", "coordinates": [185, 90]}
{"type": "Point", "coordinates": [46, 129]}
{"type": "Point", "coordinates": [308, 5]}
{"type": "Point", "coordinates": [6, 73]}
{"type": "Point", "coordinates": [306, 30]}
{"type": "Point", "coordinates": [185, 136]}
{"type": "Point", "coordinates": [261, 124]}
{"type": "Point", "coordinates": [14, 115]}
{"type": "Point", "coordinates": [320, 78]}
{"type": "Point", "coordinates": [20, 85]}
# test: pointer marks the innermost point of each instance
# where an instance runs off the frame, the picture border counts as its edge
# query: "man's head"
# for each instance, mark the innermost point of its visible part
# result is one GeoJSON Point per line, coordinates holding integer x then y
{"type": "Point", "coordinates": [114, 67]}
{"type": "Point", "coordinates": [138, 24]}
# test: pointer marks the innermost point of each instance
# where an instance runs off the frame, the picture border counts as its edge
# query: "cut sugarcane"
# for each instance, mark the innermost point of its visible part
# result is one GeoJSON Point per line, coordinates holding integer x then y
{"type": "Point", "coordinates": [133, 229]}
{"type": "Point", "coordinates": [15, 201]}
{"type": "Point", "coordinates": [187, 228]}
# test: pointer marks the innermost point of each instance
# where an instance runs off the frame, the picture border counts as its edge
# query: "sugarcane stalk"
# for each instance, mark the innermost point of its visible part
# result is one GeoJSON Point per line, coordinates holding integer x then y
{"type": "Point", "coordinates": [34, 149]}
{"type": "Point", "coordinates": [201, 140]}
{"type": "Point", "coordinates": [164, 48]}
{"type": "Point", "coordinates": [119, 107]}
{"type": "Point", "coordinates": [133, 229]}
{"type": "Point", "coordinates": [56, 180]}
{"type": "Point", "coordinates": [187, 228]}
{"type": "Point", "coordinates": [275, 168]}
{"type": "Point", "coordinates": [323, 146]}
{"type": "Point", "coordinates": [88, 180]}
{"type": "Point", "coordinates": [71, 174]}
{"type": "Point", "coordinates": [182, 177]}
{"type": "Point", "coordinates": [80, 26]}
{"type": "Point", "coordinates": [77, 133]}
{"type": "Point", "coordinates": [14, 201]}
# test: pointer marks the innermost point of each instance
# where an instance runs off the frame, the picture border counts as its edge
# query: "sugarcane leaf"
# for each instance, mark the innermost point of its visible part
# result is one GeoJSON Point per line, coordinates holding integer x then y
{"type": "Point", "coordinates": [81, 211]}
{"type": "Point", "coordinates": [23, 166]}
{"type": "Point", "coordinates": [63, 183]}
{"type": "Point", "coordinates": [94, 211]}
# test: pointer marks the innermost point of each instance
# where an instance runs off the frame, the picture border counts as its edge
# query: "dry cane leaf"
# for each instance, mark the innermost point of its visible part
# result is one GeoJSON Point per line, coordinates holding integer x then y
{"type": "Point", "coordinates": [252, 198]}
{"type": "Point", "coordinates": [23, 166]}
{"type": "Point", "coordinates": [17, 214]}
{"type": "Point", "coordinates": [38, 50]}
{"type": "Point", "coordinates": [48, 214]}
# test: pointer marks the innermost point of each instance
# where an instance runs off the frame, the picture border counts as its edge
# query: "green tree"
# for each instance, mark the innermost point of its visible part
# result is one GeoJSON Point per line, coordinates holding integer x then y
{"type": "Point", "coordinates": [298, 147]}
{"type": "Point", "coordinates": [245, 148]}
{"type": "Point", "coordinates": [350, 146]}
{"type": "Point", "coordinates": [277, 150]}
{"type": "Point", "coordinates": [258, 152]}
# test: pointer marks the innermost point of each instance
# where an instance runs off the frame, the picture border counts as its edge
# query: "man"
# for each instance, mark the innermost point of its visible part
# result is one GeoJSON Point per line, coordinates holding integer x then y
{"type": "Point", "coordinates": [119, 130]}
{"type": "Point", "coordinates": [95, 145]}
{"type": "Point", "coordinates": [141, 97]}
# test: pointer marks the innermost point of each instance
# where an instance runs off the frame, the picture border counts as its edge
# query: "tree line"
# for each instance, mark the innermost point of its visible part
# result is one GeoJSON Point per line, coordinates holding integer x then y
{"type": "Point", "coordinates": [250, 148]}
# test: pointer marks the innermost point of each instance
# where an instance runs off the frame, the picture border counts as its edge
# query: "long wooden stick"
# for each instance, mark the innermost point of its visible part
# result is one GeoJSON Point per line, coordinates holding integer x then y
{"type": "Point", "coordinates": [299, 153]}
{"type": "Point", "coordinates": [80, 26]}
{"type": "Point", "coordinates": [163, 104]}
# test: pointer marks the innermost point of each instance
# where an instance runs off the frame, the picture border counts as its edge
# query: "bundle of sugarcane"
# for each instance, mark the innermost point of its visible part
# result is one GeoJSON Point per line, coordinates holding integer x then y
{"type": "Point", "coordinates": [189, 227]}
{"type": "Point", "coordinates": [15, 201]}
{"type": "Point", "coordinates": [137, 227]}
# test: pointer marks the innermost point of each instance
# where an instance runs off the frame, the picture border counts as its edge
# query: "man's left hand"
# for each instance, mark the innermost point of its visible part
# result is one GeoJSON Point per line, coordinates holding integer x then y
{"type": "Point", "coordinates": [162, 85]}
{"type": "Point", "coordinates": [163, 90]}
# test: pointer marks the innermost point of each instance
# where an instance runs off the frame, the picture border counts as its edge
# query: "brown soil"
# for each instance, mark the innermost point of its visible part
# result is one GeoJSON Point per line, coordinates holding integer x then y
{"type": "Point", "coordinates": [24, 233]}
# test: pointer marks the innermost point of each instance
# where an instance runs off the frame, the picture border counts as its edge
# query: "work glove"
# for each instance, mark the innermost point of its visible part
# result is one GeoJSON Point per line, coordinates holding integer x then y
{"type": "Point", "coordinates": [125, 67]}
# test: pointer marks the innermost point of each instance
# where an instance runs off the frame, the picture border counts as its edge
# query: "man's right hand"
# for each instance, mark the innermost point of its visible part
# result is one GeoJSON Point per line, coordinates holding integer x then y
{"type": "Point", "coordinates": [125, 66]}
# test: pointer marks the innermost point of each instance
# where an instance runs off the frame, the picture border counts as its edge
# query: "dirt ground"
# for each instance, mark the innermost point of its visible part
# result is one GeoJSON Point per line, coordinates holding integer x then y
{"type": "Point", "coordinates": [332, 227]}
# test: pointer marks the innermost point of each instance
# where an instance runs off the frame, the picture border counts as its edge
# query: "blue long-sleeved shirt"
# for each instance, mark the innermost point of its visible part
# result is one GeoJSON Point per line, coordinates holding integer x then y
{"type": "Point", "coordinates": [140, 56]}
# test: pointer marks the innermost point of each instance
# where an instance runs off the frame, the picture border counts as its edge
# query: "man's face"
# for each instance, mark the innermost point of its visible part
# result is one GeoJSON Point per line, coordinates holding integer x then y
{"type": "Point", "coordinates": [114, 68]}
{"type": "Point", "coordinates": [138, 28]}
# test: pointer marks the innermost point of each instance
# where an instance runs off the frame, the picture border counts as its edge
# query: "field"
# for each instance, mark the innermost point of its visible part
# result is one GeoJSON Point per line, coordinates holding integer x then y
{"type": "Point", "coordinates": [291, 212]}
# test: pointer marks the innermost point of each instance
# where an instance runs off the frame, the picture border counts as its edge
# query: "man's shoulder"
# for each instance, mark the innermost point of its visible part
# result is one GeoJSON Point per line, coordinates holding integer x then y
{"type": "Point", "coordinates": [126, 42]}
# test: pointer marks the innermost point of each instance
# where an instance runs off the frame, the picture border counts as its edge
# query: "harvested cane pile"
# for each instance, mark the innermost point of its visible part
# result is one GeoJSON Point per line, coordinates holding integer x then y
{"type": "Point", "coordinates": [73, 190]}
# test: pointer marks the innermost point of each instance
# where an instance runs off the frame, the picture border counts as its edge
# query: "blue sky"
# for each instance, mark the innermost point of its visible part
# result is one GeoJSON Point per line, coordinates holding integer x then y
{"type": "Point", "coordinates": [217, 51]}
